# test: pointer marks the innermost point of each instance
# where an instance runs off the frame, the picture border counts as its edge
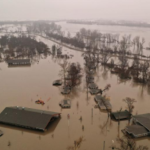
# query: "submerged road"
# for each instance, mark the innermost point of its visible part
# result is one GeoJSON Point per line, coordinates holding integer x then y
{"type": "Point", "coordinates": [81, 50]}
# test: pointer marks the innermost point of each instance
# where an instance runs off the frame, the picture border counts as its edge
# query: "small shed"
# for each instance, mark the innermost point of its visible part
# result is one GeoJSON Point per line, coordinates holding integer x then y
{"type": "Point", "coordinates": [95, 91]}
{"type": "Point", "coordinates": [65, 90]}
{"type": "Point", "coordinates": [65, 103]}
{"type": "Point", "coordinates": [92, 86]}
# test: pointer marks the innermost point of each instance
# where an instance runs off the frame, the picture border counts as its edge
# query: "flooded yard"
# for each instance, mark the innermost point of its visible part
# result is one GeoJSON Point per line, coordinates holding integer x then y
{"type": "Point", "coordinates": [22, 86]}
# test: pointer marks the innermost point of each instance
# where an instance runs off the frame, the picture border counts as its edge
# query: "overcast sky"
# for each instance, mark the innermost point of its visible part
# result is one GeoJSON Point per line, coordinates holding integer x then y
{"type": "Point", "coordinates": [75, 9]}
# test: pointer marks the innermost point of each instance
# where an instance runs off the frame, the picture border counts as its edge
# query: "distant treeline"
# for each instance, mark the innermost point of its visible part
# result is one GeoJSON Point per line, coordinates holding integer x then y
{"type": "Point", "coordinates": [21, 46]}
{"type": "Point", "coordinates": [129, 24]}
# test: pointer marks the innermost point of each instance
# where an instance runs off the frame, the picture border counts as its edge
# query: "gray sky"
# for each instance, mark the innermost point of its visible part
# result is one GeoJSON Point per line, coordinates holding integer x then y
{"type": "Point", "coordinates": [75, 9]}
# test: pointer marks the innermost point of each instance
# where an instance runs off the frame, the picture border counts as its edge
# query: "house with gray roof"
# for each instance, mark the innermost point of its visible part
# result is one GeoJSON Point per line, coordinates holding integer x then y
{"type": "Point", "coordinates": [27, 117]}
{"type": "Point", "coordinates": [141, 126]}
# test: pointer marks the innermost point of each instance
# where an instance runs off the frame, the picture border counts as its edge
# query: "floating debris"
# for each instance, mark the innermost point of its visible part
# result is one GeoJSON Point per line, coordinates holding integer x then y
{"type": "Point", "coordinates": [39, 102]}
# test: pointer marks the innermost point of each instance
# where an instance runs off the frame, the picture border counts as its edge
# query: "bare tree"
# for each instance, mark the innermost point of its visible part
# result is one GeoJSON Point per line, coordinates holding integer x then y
{"type": "Point", "coordinates": [129, 102]}
{"type": "Point", "coordinates": [77, 144]}
{"type": "Point", "coordinates": [128, 144]}
{"type": "Point", "coordinates": [64, 65]}
{"type": "Point", "coordinates": [75, 73]}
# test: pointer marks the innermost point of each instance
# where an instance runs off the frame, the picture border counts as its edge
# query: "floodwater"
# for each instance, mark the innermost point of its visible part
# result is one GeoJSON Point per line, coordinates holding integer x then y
{"type": "Point", "coordinates": [121, 30]}
{"type": "Point", "coordinates": [22, 86]}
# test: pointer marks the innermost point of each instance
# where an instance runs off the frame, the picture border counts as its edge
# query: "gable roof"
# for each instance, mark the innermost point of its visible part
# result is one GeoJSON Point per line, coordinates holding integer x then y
{"type": "Point", "coordinates": [121, 115]}
{"type": "Point", "coordinates": [136, 130]}
{"type": "Point", "coordinates": [144, 120]}
{"type": "Point", "coordinates": [27, 117]}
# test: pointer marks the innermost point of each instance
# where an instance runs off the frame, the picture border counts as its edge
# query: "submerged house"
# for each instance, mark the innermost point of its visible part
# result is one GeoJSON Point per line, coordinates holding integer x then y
{"type": "Point", "coordinates": [16, 62]}
{"type": "Point", "coordinates": [27, 117]}
{"type": "Point", "coordinates": [141, 127]}
{"type": "Point", "coordinates": [121, 115]}
{"type": "Point", "coordinates": [66, 103]}
{"type": "Point", "coordinates": [103, 103]}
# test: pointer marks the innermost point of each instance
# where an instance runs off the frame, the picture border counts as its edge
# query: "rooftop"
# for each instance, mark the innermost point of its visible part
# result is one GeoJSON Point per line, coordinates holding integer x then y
{"type": "Point", "coordinates": [136, 130]}
{"type": "Point", "coordinates": [121, 115]}
{"type": "Point", "coordinates": [18, 60]}
{"type": "Point", "coordinates": [27, 117]}
{"type": "Point", "coordinates": [144, 120]}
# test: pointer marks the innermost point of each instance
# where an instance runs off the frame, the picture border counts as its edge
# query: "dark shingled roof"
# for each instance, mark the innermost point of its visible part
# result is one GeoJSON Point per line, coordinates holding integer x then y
{"type": "Point", "coordinates": [27, 117]}
{"type": "Point", "coordinates": [18, 60]}
{"type": "Point", "coordinates": [144, 120]}
{"type": "Point", "coordinates": [103, 103]}
{"type": "Point", "coordinates": [136, 130]}
{"type": "Point", "coordinates": [121, 115]}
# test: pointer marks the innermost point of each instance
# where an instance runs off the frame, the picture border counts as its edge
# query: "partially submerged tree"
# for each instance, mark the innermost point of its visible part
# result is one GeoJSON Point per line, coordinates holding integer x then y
{"type": "Point", "coordinates": [129, 101]}
{"type": "Point", "coordinates": [75, 73]}
{"type": "Point", "coordinates": [128, 144]}
{"type": "Point", "coordinates": [64, 65]}
{"type": "Point", "coordinates": [77, 144]}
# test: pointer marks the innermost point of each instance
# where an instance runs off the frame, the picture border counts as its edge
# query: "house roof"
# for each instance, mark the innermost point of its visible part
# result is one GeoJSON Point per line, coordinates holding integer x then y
{"type": "Point", "coordinates": [144, 120]}
{"type": "Point", "coordinates": [136, 130]}
{"type": "Point", "coordinates": [121, 115]}
{"type": "Point", "coordinates": [18, 60]}
{"type": "Point", "coordinates": [93, 86]}
{"type": "Point", "coordinates": [27, 117]}
{"type": "Point", "coordinates": [103, 103]}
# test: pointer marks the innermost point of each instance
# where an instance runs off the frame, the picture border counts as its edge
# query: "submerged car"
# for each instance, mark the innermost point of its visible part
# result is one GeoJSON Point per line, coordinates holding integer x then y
{"type": "Point", "coordinates": [65, 103]}
{"type": "Point", "coordinates": [39, 102]}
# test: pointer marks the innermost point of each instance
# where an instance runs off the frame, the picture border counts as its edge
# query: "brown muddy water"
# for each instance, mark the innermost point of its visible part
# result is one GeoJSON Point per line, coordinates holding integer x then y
{"type": "Point", "coordinates": [21, 86]}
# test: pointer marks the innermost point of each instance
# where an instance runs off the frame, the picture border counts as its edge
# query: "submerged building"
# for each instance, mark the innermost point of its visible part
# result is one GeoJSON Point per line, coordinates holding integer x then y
{"type": "Point", "coordinates": [123, 115]}
{"type": "Point", "coordinates": [141, 127]}
{"type": "Point", "coordinates": [103, 103]}
{"type": "Point", "coordinates": [27, 117]}
{"type": "Point", "coordinates": [16, 62]}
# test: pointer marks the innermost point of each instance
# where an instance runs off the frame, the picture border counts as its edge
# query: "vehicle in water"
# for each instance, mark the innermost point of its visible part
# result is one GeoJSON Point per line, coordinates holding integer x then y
{"type": "Point", "coordinates": [39, 102]}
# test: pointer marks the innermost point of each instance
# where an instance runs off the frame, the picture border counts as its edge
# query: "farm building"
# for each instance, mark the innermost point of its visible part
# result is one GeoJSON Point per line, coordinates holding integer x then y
{"type": "Point", "coordinates": [141, 127]}
{"type": "Point", "coordinates": [27, 117]}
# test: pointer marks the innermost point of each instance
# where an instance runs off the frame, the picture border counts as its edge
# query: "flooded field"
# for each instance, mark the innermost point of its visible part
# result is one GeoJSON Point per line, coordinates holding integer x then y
{"type": "Point", "coordinates": [22, 86]}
